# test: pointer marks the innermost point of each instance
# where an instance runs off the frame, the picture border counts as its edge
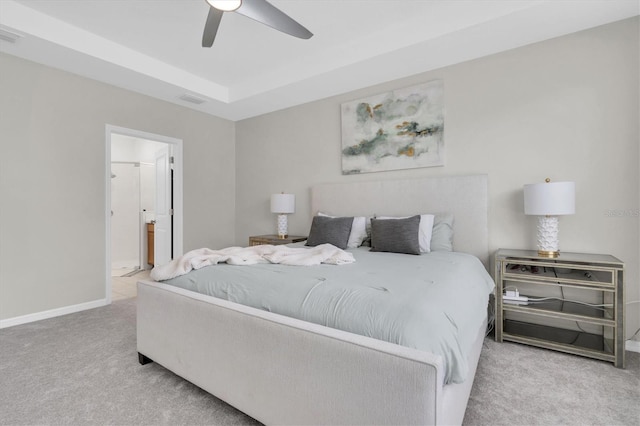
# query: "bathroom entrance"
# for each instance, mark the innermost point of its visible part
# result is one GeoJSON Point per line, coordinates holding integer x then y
{"type": "Point", "coordinates": [144, 200]}
{"type": "Point", "coordinates": [133, 192]}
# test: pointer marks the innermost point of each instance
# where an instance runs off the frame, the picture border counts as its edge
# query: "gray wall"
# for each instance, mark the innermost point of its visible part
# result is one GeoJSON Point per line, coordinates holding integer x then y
{"type": "Point", "coordinates": [52, 181]}
{"type": "Point", "coordinates": [565, 108]}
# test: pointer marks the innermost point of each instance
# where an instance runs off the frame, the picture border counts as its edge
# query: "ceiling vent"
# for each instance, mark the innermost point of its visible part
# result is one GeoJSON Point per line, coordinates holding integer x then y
{"type": "Point", "coordinates": [193, 99]}
{"type": "Point", "coordinates": [9, 36]}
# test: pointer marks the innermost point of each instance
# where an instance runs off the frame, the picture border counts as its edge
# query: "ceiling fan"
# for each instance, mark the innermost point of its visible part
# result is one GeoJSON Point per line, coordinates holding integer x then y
{"type": "Point", "coordinates": [258, 10]}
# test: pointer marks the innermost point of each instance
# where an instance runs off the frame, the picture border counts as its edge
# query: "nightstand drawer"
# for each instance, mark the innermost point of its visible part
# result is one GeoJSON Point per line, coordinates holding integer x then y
{"type": "Point", "coordinates": [554, 273]}
{"type": "Point", "coordinates": [274, 240]}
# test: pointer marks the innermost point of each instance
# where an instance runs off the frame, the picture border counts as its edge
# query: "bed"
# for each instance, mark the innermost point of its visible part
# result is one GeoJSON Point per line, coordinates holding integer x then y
{"type": "Point", "coordinates": [283, 370]}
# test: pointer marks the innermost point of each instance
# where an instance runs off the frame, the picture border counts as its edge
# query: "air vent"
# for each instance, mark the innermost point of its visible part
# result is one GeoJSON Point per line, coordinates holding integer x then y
{"type": "Point", "coordinates": [193, 99]}
{"type": "Point", "coordinates": [9, 36]}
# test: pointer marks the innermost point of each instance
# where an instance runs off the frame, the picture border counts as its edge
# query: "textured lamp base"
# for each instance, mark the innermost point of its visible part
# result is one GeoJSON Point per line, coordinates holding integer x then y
{"type": "Point", "coordinates": [548, 242]}
{"type": "Point", "coordinates": [282, 226]}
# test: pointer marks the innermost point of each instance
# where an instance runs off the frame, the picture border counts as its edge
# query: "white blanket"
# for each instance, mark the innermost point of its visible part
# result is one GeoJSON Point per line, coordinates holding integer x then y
{"type": "Point", "coordinates": [299, 256]}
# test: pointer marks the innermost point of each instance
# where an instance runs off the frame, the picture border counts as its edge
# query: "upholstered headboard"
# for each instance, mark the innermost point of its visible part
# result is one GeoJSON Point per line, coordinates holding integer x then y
{"type": "Point", "coordinates": [464, 196]}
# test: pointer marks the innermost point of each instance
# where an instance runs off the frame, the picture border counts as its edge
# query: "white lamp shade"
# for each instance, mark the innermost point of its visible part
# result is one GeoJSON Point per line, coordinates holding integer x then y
{"type": "Point", "coordinates": [550, 198]}
{"type": "Point", "coordinates": [283, 203]}
{"type": "Point", "coordinates": [225, 5]}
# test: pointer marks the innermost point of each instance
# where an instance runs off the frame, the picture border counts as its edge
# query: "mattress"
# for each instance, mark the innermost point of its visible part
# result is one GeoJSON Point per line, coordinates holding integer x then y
{"type": "Point", "coordinates": [433, 302]}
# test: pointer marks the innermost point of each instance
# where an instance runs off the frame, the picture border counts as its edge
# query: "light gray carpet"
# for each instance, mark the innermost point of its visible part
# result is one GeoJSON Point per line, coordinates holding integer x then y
{"type": "Point", "coordinates": [82, 369]}
{"type": "Point", "coordinates": [521, 385]}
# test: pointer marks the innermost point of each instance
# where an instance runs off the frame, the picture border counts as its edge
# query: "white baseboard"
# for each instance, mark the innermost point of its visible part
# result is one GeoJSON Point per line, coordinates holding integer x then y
{"type": "Point", "coordinates": [10, 322]}
{"type": "Point", "coordinates": [632, 345]}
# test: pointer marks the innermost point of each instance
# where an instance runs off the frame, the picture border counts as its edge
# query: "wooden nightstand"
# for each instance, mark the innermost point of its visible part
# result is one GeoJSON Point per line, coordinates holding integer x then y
{"type": "Point", "coordinates": [572, 303]}
{"type": "Point", "coordinates": [273, 239]}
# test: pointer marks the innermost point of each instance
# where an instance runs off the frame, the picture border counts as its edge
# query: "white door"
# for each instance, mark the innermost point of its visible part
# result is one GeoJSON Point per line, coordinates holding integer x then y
{"type": "Point", "coordinates": [162, 230]}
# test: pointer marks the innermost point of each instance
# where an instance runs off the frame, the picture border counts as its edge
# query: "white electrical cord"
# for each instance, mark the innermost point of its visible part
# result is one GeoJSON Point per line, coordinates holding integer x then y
{"type": "Point", "coordinates": [593, 305]}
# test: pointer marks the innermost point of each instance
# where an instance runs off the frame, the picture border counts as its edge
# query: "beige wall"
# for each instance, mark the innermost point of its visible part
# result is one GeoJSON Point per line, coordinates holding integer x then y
{"type": "Point", "coordinates": [565, 108]}
{"type": "Point", "coordinates": [52, 181]}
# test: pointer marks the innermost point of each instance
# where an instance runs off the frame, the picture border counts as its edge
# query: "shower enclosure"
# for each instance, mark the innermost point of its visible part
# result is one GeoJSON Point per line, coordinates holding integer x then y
{"type": "Point", "coordinates": [132, 203]}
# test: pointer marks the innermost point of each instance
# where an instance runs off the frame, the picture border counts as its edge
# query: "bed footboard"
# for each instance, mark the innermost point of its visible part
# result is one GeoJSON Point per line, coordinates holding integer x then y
{"type": "Point", "coordinates": [280, 370]}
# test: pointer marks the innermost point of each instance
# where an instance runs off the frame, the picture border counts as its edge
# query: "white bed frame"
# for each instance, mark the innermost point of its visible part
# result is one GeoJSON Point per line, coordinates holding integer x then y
{"type": "Point", "coordinates": [281, 370]}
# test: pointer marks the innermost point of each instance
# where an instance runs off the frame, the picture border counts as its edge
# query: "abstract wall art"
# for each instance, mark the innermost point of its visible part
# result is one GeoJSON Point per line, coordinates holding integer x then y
{"type": "Point", "coordinates": [400, 129]}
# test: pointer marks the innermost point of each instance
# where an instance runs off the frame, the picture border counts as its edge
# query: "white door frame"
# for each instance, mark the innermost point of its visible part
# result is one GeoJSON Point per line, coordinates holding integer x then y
{"type": "Point", "coordinates": [177, 192]}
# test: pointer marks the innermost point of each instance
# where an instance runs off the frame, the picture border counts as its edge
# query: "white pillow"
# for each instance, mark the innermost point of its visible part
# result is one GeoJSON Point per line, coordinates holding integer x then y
{"type": "Point", "coordinates": [358, 230]}
{"type": "Point", "coordinates": [424, 232]}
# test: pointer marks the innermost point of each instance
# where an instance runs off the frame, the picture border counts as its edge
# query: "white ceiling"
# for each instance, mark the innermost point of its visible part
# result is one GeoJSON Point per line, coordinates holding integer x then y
{"type": "Point", "coordinates": [154, 46]}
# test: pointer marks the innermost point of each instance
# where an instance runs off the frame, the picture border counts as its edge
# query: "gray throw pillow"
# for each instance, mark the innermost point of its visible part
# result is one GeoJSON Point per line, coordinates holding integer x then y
{"type": "Point", "coordinates": [396, 235]}
{"type": "Point", "coordinates": [330, 230]}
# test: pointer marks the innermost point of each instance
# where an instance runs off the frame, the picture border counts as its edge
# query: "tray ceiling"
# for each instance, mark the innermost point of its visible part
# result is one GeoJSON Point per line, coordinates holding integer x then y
{"type": "Point", "coordinates": [153, 47]}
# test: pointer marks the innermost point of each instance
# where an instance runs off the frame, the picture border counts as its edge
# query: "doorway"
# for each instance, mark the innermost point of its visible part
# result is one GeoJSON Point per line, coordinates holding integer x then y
{"type": "Point", "coordinates": [143, 192]}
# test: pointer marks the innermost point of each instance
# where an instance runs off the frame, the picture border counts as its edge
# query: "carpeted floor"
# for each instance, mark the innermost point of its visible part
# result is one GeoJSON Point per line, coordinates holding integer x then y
{"type": "Point", "coordinates": [521, 385]}
{"type": "Point", "coordinates": [82, 369]}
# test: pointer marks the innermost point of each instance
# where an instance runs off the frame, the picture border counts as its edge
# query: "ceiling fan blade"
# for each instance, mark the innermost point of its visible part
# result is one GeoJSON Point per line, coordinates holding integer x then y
{"type": "Point", "coordinates": [266, 13]}
{"type": "Point", "coordinates": [211, 26]}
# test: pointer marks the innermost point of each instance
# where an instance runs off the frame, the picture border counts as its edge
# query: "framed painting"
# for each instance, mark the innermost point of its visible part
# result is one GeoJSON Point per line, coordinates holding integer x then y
{"type": "Point", "coordinates": [400, 129]}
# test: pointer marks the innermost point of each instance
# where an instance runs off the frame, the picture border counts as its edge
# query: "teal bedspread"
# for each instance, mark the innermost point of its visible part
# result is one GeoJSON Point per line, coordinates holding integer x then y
{"type": "Point", "coordinates": [433, 302]}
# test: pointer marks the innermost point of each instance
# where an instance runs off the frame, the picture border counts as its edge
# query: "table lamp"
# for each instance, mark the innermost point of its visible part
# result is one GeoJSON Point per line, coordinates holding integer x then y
{"type": "Point", "coordinates": [283, 204]}
{"type": "Point", "coordinates": [548, 201]}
